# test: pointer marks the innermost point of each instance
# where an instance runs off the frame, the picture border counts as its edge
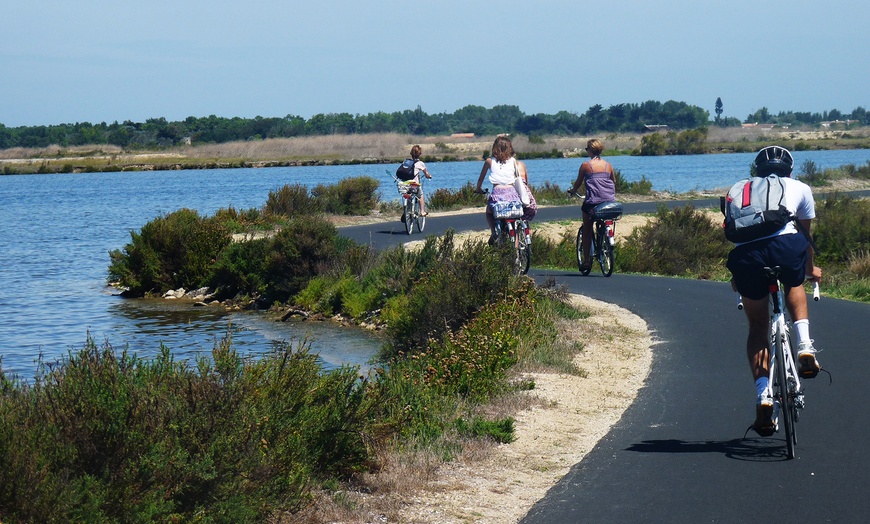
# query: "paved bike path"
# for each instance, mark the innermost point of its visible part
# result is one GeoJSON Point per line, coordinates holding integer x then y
{"type": "Point", "coordinates": [679, 454]}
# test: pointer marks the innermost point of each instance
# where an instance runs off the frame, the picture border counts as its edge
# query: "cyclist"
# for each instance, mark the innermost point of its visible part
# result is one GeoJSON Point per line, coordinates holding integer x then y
{"type": "Point", "coordinates": [790, 250]}
{"type": "Point", "coordinates": [503, 169]}
{"type": "Point", "coordinates": [600, 181]}
{"type": "Point", "coordinates": [419, 166]}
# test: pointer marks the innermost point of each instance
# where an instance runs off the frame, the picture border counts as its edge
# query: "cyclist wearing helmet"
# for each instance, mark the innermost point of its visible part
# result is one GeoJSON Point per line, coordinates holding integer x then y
{"type": "Point", "coordinates": [790, 249]}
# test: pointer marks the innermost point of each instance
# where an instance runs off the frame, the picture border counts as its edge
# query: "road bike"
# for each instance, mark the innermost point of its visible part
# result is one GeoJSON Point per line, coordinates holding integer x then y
{"type": "Point", "coordinates": [785, 385]}
{"type": "Point", "coordinates": [603, 241]}
{"type": "Point", "coordinates": [512, 229]}
{"type": "Point", "coordinates": [409, 192]}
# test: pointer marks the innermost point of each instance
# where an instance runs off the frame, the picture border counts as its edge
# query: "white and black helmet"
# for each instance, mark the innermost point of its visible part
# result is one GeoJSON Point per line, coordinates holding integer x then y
{"type": "Point", "coordinates": [773, 160]}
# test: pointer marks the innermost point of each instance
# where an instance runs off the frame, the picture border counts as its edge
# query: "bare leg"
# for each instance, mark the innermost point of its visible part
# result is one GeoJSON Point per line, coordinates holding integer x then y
{"type": "Point", "coordinates": [757, 343]}
{"type": "Point", "coordinates": [587, 237]}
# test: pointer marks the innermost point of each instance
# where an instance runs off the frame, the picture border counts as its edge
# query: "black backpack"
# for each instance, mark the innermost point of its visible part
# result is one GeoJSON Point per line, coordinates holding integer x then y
{"type": "Point", "coordinates": [406, 170]}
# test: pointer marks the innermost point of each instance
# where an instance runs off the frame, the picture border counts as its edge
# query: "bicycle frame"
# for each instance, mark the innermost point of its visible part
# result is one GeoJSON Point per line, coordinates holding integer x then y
{"type": "Point", "coordinates": [520, 238]}
{"type": "Point", "coordinates": [784, 382]}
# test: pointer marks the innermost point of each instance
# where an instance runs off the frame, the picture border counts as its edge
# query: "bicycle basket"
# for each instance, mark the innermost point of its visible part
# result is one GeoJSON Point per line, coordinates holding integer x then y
{"type": "Point", "coordinates": [507, 209]}
{"type": "Point", "coordinates": [607, 210]}
{"type": "Point", "coordinates": [407, 188]}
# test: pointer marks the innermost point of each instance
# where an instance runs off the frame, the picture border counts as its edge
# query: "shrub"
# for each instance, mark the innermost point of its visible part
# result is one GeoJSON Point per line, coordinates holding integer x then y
{"type": "Point", "coordinates": [841, 229]}
{"type": "Point", "coordinates": [351, 196]}
{"type": "Point", "coordinates": [298, 252]}
{"type": "Point", "coordinates": [681, 241]}
{"type": "Point", "coordinates": [240, 269]}
{"type": "Point", "coordinates": [447, 294]}
{"type": "Point", "coordinates": [291, 200]}
{"type": "Point", "coordinates": [105, 437]}
{"type": "Point", "coordinates": [638, 187]}
{"type": "Point", "coordinates": [175, 250]}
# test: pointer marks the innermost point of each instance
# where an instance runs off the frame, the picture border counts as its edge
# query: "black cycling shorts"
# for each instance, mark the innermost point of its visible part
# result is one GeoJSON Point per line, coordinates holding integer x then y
{"type": "Point", "coordinates": [747, 261]}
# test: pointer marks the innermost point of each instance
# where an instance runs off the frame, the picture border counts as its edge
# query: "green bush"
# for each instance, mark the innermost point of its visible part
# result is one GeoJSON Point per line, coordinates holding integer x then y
{"type": "Point", "coordinates": [291, 200]}
{"type": "Point", "coordinates": [351, 196]}
{"type": "Point", "coordinates": [446, 295]}
{"type": "Point", "coordinates": [300, 251]}
{"type": "Point", "coordinates": [241, 269]}
{"type": "Point", "coordinates": [682, 242]}
{"type": "Point", "coordinates": [841, 229]}
{"type": "Point", "coordinates": [106, 437]}
{"type": "Point", "coordinates": [175, 250]}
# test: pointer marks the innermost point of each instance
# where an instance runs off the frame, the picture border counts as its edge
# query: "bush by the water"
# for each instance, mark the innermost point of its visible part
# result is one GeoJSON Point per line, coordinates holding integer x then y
{"type": "Point", "coordinates": [185, 250]}
{"type": "Point", "coordinates": [172, 251]}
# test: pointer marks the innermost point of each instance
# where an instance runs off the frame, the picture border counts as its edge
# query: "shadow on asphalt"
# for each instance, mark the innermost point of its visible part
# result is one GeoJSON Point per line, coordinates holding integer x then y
{"type": "Point", "coordinates": [760, 449]}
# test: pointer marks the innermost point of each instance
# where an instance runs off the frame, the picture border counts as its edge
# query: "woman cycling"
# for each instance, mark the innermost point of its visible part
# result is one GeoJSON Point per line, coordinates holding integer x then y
{"type": "Point", "coordinates": [600, 181]}
{"type": "Point", "coordinates": [503, 170]}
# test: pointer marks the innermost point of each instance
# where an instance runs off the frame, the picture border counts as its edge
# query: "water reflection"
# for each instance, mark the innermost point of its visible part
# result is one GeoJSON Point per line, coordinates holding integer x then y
{"type": "Point", "coordinates": [189, 330]}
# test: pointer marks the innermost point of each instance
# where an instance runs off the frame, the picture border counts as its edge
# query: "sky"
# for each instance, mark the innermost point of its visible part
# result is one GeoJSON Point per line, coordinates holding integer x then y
{"type": "Point", "coordinates": [95, 61]}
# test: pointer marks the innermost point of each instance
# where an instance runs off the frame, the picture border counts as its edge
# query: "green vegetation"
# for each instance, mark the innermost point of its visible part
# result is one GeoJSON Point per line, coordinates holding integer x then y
{"type": "Point", "coordinates": [105, 436]}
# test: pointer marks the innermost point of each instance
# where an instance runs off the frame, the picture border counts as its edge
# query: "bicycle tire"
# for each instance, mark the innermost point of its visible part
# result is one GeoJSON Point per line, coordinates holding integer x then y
{"type": "Point", "coordinates": [420, 219]}
{"type": "Point", "coordinates": [605, 252]}
{"type": "Point", "coordinates": [409, 215]}
{"type": "Point", "coordinates": [580, 265]}
{"type": "Point", "coordinates": [786, 402]}
{"type": "Point", "coordinates": [524, 254]}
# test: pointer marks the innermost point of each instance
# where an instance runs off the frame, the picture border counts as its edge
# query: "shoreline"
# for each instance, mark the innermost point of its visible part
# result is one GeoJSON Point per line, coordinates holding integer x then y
{"type": "Point", "coordinates": [382, 149]}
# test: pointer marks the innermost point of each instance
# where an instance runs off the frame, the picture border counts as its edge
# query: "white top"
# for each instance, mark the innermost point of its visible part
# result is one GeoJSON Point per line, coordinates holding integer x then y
{"type": "Point", "coordinates": [502, 174]}
{"type": "Point", "coordinates": [418, 167]}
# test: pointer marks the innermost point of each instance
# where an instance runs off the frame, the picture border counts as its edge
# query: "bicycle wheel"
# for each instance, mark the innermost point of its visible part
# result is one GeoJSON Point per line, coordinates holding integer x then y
{"type": "Point", "coordinates": [409, 214]}
{"type": "Point", "coordinates": [524, 254]}
{"type": "Point", "coordinates": [786, 402]}
{"type": "Point", "coordinates": [585, 266]}
{"type": "Point", "coordinates": [420, 219]}
{"type": "Point", "coordinates": [605, 251]}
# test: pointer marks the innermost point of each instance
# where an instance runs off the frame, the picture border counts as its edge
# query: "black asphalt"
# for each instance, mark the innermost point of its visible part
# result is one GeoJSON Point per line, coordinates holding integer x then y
{"type": "Point", "coordinates": [679, 454]}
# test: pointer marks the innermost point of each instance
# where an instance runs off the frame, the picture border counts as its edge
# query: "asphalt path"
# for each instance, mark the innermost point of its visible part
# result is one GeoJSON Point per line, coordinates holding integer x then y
{"type": "Point", "coordinates": [680, 452]}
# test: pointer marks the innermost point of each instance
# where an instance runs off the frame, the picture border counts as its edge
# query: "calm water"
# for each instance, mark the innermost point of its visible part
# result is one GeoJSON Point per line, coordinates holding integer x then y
{"type": "Point", "coordinates": [56, 232]}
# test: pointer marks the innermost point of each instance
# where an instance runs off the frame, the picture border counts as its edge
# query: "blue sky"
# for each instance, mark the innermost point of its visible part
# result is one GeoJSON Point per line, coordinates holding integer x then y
{"type": "Point", "coordinates": [66, 61]}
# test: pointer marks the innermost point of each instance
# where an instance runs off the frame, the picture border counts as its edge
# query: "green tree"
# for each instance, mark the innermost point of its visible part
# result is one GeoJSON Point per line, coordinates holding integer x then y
{"type": "Point", "coordinates": [718, 109]}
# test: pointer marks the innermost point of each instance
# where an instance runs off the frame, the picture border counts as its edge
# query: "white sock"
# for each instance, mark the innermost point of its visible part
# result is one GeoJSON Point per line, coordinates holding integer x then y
{"type": "Point", "coordinates": [803, 330]}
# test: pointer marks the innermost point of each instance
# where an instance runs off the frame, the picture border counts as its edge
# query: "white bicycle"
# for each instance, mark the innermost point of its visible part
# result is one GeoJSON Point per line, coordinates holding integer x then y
{"type": "Point", "coordinates": [785, 385]}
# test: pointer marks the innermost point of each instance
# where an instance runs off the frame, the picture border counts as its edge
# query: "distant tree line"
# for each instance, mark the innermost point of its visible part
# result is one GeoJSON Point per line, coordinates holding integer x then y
{"type": "Point", "coordinates": [158, 132]}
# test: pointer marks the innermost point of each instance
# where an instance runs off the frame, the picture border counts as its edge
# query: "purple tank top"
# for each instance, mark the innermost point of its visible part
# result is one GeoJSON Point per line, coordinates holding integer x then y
{"type": "Point", "coordinates": [599, 188]}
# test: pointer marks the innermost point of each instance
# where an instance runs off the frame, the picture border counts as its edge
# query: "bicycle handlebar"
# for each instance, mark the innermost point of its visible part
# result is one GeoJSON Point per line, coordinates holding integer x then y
{"type": "Point", "coordinates": [816, 296]}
